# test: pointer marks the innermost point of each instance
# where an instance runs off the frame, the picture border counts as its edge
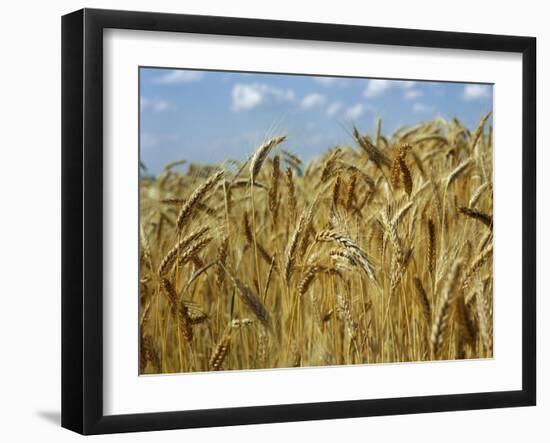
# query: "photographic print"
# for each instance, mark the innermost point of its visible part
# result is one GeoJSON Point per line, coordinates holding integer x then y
{"type": "Point", "coordinates": [299, 220]}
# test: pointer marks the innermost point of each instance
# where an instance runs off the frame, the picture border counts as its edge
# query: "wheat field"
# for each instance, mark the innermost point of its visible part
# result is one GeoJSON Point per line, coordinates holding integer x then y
{"type": "Point", "coordinates": [376, 252]}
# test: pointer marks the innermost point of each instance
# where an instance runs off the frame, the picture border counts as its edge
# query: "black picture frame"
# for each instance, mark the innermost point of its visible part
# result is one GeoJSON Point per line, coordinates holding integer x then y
{"type": "Point", "coordinates": [82, 220]}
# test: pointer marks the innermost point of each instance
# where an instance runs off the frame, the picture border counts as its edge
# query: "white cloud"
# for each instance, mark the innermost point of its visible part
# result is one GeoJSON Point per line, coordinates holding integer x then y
{"type": "Point", "coordinates": [245, 97]}
{"type": "Point", "coordinates": [156, 104]}
{"type": "Point", "coordinates": [250, 96]}
{"type": "Point", "coordinates": [377, 87]}
{"type": "Point", "coordinates": [178, 76]}
{"type": "Point", "coordinates": [421, 107]}
{"type": "Point", "coordinates": [334, 108]}
{"type": "Point", "coordinates": [351, 112]}
{"type": "Point", "coordinates": [411, 94]}
{"type": "Point", "coordinates": [330, 81]}
{"type": "Point", "coordinates": [475, 92]}
{"type": "Point", "coordinates": [313, 100]}
{"type": "Point", "coordinates": [358, 110]}
{"type": "Point", "coordinates": [355, 111]}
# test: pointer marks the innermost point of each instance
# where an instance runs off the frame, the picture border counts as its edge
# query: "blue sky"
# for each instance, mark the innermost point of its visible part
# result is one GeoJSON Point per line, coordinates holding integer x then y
{"type": "Point", "coordinates": [211, 116]}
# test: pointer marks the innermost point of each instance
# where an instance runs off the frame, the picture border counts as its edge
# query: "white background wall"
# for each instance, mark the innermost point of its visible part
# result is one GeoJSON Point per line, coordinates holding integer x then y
{"type": "Point", "coordinates": [30, 219]}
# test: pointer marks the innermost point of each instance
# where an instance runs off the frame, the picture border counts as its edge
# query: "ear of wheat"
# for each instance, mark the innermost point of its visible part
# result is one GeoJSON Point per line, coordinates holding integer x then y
{"type": "Point", "coordinates": [350, 246]}
{"type": "Point", "coordinates": [172, 254]}
{"type": "Point", "coordinates": [261, 154]}
{"type": "Point", "coordinates": [220, 352]}
{"type": "Point", "coordinates": [252, 302]}
{"type": "Point", "coordinates": [374, 252]}
{"type": "Point", "coordinates": [443, 315]}
{"type": "Point", "coordinates": [199, 193]}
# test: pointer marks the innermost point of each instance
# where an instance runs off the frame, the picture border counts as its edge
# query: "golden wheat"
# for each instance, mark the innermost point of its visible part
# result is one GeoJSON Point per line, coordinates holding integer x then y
{"type": "Point", "coordinates": [378, 251]}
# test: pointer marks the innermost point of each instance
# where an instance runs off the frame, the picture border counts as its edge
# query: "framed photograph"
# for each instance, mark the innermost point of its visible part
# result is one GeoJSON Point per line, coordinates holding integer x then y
{"type": "Point", "coordinates": [269, 221]}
